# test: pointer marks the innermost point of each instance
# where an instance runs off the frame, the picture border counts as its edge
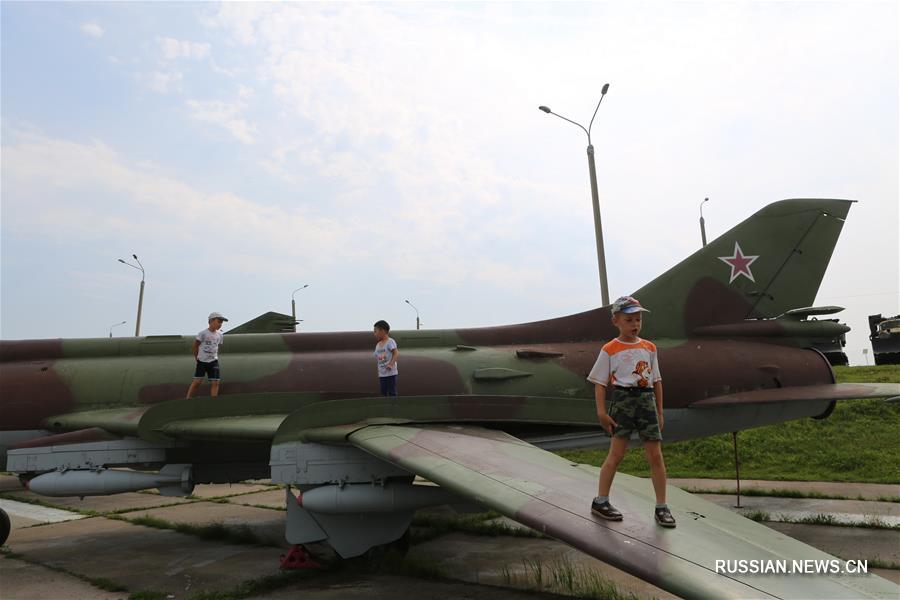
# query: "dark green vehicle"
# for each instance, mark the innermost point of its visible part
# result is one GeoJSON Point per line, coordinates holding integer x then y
{"type": "Point", "coordinates": [885, 337]}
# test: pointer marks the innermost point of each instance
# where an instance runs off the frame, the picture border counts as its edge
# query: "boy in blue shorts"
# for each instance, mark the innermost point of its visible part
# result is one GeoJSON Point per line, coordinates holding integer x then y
{"type": "Point", "coordinates": [386, 354]}
{"type": "Point", "coordinates": [630, 364]}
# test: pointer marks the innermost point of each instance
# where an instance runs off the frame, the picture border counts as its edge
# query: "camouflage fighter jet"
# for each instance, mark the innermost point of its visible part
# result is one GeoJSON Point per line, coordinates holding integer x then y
{"type": "Point", "coordinates": [480, 409]}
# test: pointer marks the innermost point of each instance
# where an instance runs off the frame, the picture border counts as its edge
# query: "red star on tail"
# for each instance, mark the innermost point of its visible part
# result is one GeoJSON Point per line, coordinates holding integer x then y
{"type": "Point", "coordinates": [739, 263]}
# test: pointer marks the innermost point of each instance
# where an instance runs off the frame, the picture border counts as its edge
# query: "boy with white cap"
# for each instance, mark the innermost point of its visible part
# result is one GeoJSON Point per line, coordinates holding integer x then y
{"type": "Point", "coordinates": [630, 364]}
{"type": "Point", "coordinates": [206, 351]}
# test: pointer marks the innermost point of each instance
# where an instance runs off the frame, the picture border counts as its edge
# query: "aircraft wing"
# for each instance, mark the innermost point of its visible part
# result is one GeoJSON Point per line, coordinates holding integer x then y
{"type": "Point", "coordinates": [552, 495]}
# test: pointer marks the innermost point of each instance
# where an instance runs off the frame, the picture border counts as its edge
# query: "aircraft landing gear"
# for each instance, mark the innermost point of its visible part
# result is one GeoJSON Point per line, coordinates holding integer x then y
{"type": "Point", "coordinates": [4, 526]}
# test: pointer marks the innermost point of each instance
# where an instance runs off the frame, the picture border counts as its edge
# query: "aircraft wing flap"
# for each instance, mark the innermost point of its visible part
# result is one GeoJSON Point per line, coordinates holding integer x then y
{"type": "Point", "coordinates": [829, 391]}
{"type": "Point", "coordinates": [244, 427]}
{"type": "Point", "coordinates": [119, 421]}
{"type": "Point", "coordinates": [552, 495]}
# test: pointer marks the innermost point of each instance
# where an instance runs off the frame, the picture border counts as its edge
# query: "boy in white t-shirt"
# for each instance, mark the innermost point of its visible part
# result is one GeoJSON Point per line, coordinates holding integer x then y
{"type": "Point", "coordinates": [630, 364]}
{"type": "Point", "coordinates": [386, 354]}
{"type": "Point", "coordinates": [206, 351]}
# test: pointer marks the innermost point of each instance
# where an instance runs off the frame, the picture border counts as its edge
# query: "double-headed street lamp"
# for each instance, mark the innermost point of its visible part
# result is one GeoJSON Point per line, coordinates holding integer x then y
{"type": "Point", "coordinates": [418, 323]}
{"type": "Point", "coordinates": [598, 228]}
{"type": "Point", "coordinates": [294, 305]}
{"type": "Point", "coordinates": [139, 267]}
{"type": "Point", "coordinates": [115, 325]}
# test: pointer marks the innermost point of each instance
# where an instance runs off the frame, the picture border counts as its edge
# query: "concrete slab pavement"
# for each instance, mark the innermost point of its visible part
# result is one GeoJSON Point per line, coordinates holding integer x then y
{"type": "Point", "coordinates": [272, 498]}
{"type": "Point", "coordinates": [143, 558]}
{"type": "Point", "coordinates": [100, 504]}
{"type": "Point", "coordinates": [844, 511]}
{"type": "Point", "coordinates": [849, 543]}
{"type": "Point", "coordinates": [22, 514]}
{"type": "Point", "coordinates": [228, 489]}
{"type": "Point", "coordinates": [266, 524]}
{"type": "Point", "coordinates": [20, 580]}
{"type": "Point", "coordinates": [868, 491]}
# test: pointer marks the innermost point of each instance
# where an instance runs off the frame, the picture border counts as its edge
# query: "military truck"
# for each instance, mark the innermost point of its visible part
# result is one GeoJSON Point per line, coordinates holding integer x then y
{"type": "Point", "coordinates": [885, 337]}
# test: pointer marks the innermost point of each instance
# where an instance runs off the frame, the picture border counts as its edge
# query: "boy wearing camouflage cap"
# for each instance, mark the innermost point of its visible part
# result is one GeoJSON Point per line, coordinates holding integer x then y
{"type": "Point", "coordinates": [630, 364]}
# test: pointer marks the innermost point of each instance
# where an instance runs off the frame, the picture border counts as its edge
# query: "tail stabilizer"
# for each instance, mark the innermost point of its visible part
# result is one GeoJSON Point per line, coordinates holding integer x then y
{"type": "Point", "coordinates": [763, 267]}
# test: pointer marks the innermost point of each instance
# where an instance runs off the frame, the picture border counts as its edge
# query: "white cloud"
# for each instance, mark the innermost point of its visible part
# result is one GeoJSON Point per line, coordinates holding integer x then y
{"type": "Point", "coordinates": [226, 114]}
{"type": "Point", "coordinates": [416, 127]}
{"type": "Point", "coordinates": [86, 188]}
{"type": "Point", "coordinates": [91, 29]}
{"type": "Point", "coordinates": [174, 49]}
{"type": "Point", "coordinates": [162, 82]}
{"type": "Point", "coordinates": [441, 106]}
{"type": "Point", "coordinates": [58, 171]}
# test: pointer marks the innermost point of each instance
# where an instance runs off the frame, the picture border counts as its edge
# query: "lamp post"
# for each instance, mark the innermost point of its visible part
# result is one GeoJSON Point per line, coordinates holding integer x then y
{"type": "Point", "coordinates": [418, 323]}
{"type": "Point", "coordinates": [598, 227]}
{"type": "Point", "coordinates": [703, 223]}
{"type": "Point", "coordinates": [294, 306]}
{"type": "Point", "coordinates": [115, 325]}
{"type": "Point", "coordinates": [139, 267]}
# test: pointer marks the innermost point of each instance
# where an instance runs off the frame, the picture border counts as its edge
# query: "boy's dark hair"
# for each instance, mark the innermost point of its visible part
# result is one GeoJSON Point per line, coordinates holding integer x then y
{"type": "Point", "coordinates": [382, 325]}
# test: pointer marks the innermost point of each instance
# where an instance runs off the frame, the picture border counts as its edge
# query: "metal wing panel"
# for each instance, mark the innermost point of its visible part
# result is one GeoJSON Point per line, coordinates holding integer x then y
{"type": "Point", "coordinates": [552, 495]}
{"type": "Point", "coordinates": [243, 427]}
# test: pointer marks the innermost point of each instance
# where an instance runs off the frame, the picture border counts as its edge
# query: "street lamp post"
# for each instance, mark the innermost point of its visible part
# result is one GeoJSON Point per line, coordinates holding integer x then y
{"type": "Point", "coordinates": [703, 223]}
{"type": "Point", "coordinates": [418, 323]}
{"type": "Point", "coordinates": [115, 325]}
{"type": "Point", "coordinates": [598, 227]}
{"type": "Point", "coordinates": [294, 306]}
{"type": "Point", "coordinates": [139, 267]}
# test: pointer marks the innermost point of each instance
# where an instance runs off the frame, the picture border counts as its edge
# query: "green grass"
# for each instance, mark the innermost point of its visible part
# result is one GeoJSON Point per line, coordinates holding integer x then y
{"type": "Point", "coordinates": [148, 595]}
{"type": "Point", "coordinates": [877, 563]}
{"type": "Point", "coordinates": [427, 527]}
{"type": "Point", "coordinates": [819, 519]}
{"type": "Point", "coordinates": [879, 374]}
{"type": "Point", "coordinates": [216, 531]}
{"type": "Point", "coordinates": [563, 576]}
{"type": "Point", "coordinates": [253, 587]}
{"type": "Point", "coordinates": [859, 442]}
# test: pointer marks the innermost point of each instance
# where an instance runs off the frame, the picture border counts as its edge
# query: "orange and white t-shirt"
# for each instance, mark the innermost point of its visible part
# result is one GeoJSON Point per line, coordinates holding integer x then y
{"type": "Point", "coordinates": [626, 364]}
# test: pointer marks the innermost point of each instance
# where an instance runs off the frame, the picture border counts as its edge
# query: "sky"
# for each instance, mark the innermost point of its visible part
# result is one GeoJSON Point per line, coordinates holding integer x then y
{"type": "Point", "coordinates": [380, 152]}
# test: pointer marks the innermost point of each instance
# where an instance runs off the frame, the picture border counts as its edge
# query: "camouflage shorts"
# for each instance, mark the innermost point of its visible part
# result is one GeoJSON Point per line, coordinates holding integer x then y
{"type": "Point", "coordinates": [634, 412]}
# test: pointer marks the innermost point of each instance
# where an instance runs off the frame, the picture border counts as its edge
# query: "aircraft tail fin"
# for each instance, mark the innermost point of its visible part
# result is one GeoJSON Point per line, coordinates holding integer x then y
{"type": "Point", "coordinates": [768, 264]}
{"type": "Point", "coordinates": [270, 322]}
